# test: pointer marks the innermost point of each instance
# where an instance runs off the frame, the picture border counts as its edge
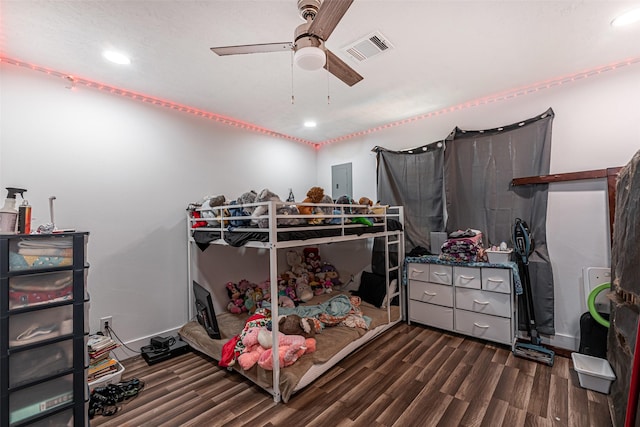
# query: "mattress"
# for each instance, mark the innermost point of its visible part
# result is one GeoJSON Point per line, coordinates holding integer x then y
{"type": "Point", "coordinates": [332, 344]}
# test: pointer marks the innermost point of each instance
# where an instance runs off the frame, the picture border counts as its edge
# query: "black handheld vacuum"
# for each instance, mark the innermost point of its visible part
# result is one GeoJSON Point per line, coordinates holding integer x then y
{"type": "Point", "coordinates": [523, 247]}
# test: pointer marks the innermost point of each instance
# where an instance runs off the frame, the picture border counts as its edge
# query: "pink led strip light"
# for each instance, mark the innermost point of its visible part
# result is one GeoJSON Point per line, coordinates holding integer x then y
{"type": "Point", "coordinates": [251, 127]}
{"type": "Point", "coordinates": [156, 101]}
{"type": "Point", "coordinates": [492, 98]}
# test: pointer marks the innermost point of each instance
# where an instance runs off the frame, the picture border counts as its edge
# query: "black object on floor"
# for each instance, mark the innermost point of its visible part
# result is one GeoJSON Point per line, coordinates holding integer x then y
{"type": "Point", "coordinates": [593, 336]}
{"type": "Point", "coordinates": [153, 355]}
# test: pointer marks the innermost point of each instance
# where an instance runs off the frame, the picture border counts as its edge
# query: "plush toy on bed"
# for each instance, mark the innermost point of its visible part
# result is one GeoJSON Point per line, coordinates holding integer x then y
{"type": "Point", "coordinates": [236, 305]}
{"type": "Point", "coordinates": [312, 259]}
{"type": "Point", "coordinates": [314, 195]}
{"type": "Point", "coordinates": [329, 277]}
{"type": "Point", "coordinates": [296, 325]}
{"type": "Point", "coordinates": [303, 290]}
{"type": "Point", "coordinates": [296, 264]}
{"type": "Point", "coordinates": [257, 343]}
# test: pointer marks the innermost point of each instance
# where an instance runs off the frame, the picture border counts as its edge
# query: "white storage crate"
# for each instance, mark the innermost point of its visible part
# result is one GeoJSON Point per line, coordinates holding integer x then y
{"type": "Point", "coordinates": [499, 257]}
{"type": "Point", "coordinates": [594, 373]}
{"type": "Point", "coordinates": [112, 378]}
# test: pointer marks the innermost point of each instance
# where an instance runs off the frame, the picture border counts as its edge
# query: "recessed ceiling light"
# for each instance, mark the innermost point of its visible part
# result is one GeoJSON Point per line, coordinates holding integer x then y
{"type": "Point", "coordinates": [117, 57]}
{"type": "Point", "coordinates": [627, 18]}
{"type": "Point", "coordinates": [310, 124]}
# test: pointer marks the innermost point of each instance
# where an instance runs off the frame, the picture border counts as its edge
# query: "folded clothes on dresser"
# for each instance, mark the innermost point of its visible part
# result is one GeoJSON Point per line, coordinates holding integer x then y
{"type": "Point", "coordinates": [464, 246]}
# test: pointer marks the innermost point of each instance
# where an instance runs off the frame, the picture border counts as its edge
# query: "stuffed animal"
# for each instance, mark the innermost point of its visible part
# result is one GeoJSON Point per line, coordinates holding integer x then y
{"type": "Point", "coordinates": [312, 259]}
{"type": "Point", "coordinates": [365, 208]}
{"type": "Point", "coordinates": [264, 196]}
{"type": "Point", "coordinates": [245, 198]}
{"type": "Point", "coordinates": [296, 325]}
{"type": "Point", "coordinates": [288, 354]}
{"type": "Point", "coordinates": [236, 305]}
{"type": "Point", "coordinates": [303, 290]}
{"type": "Point", "coordinates": [287, 288]}
{"type": "Point", "coordinates": [257, 343]}
{"type": "Point", "coordinates": [207, 212]}
{"type": "Point", "coordinates": [296, 265]}
{"type": "Point", "coordinates": [314, 195]}
{"type": "Point", "coordinates": [329, 276]}
{"type": "Point", "coordinates": [346, 200]}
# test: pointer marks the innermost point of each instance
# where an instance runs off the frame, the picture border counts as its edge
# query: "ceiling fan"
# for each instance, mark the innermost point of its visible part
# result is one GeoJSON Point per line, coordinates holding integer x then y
{"type": "Point", "coordinates": [310, 53]}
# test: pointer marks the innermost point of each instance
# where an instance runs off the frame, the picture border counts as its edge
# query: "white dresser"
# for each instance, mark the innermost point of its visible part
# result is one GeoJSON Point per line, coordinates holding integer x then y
{"type": "Point", "coordinates": [477, 301]}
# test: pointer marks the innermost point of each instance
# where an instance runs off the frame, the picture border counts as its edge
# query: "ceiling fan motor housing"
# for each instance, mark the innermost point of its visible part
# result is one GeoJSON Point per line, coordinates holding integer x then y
{"type": "Point", "coordinates": [308, 8]}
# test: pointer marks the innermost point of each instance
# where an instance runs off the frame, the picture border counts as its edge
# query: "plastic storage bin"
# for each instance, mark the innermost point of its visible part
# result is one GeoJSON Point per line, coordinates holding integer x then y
{"type": "Point", "coordinates": [112, 378]}
{"type": "Point", "coordinates": [594, 373]}
{"type": "Point", "coordinates": [499, 257]}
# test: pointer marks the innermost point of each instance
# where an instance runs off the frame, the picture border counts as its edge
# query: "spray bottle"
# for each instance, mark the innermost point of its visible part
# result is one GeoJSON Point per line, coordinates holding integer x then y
{"type": "Point", "coordinates": [9, 213]}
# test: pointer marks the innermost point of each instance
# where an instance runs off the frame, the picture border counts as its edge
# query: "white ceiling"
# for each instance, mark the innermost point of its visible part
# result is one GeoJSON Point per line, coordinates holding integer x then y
{"type": "Point", "coordinates": [445, 53]}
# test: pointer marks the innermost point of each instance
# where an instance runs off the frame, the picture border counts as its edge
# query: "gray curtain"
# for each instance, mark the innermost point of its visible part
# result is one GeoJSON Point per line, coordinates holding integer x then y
{"type": "Point", "coordinates": [413, 179]}
{"type": "Point", "coordinates": [478, 169]}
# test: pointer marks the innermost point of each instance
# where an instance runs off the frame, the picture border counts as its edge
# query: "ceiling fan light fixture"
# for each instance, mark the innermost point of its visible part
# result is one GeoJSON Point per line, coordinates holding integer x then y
{"type": "Point", "coordinates": [627, 18]}
{"type": "Point", "coordinates": [310, 58]}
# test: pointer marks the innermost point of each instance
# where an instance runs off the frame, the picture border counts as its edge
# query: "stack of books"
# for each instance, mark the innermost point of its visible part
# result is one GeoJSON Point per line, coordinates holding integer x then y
{"type": "Point", "coordinates": [100, 361]}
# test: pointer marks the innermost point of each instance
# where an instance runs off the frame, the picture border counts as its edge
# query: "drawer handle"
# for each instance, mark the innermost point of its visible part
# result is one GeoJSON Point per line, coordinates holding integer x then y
{"type": "Point", "coordinates": [430, 294]}
{"type": "Point", "coordinates": [416, 271]}
{"type": "Point", "coordinates": [480, 302]}
{"type": "Point", "coordinates": [438, 273]}
{"type": "Point", "coordinates": [494, 280]}
{"type": "Point", "coordinates": [481, 326]}
{"type": "Point", "coordinates": [467, 277]}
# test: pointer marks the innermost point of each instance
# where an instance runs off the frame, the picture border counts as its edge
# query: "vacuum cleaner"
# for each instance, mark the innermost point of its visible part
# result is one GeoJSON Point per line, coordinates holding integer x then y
{"type": "Point", "coordinates": [523, 247]}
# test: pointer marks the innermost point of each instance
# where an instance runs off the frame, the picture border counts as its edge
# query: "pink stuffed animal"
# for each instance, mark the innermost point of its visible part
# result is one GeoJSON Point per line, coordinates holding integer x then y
{"type": "Point", "coordinates": [287, 354]}
{"type": "Point", "coordinates": [257, 349]}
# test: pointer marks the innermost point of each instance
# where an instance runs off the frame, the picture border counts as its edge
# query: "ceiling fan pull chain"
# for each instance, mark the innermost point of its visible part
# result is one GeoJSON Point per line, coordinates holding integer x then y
{"type": "Point", "coordinates": [292, 97]}
{"type": "Point", "coordinates": [328, 86]}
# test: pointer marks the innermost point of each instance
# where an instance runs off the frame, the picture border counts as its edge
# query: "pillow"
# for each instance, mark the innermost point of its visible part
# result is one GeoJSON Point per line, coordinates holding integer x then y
{"type": "Point", "coordinates": [372, 288]}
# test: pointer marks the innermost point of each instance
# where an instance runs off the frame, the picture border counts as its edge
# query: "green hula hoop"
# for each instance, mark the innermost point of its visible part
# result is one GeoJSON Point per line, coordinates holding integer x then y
{"type": "Point", "coordinates": [591, 303]}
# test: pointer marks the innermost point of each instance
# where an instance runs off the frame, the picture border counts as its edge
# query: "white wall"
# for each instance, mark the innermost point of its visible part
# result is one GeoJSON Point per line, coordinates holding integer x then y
{"type": "Point", "coordinates": [597, 125]}
{"type": "Point", "coordinates": [125, 171]}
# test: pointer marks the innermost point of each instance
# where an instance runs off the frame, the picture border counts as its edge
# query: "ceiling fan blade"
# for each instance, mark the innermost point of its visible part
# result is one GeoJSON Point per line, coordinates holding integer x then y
{"type": "Point", "coordinates": [252, 48]}
{"type": "Point", "coordinates": [330, 13]}
{"type": "Point", "coordinates": [341, 70]}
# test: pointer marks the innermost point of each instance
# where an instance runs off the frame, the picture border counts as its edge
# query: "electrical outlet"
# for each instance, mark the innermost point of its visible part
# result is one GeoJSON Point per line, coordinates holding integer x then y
{"type": "Point", "coordinates": [104, 321]}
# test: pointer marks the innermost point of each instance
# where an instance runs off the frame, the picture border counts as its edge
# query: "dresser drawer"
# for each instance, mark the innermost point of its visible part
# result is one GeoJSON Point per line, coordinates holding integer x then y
{"type": "Point", "coordinates": [418, 272]}
{"type": "Point", "coordinates": [441, 274]}
{"type": "Point", "coordinates": [483, 302]}
{"type": "Point", "coordinates": [431, 314]}
{"type": "Point", "coordinates": [467, 277]}
{"type": "Point", "coordinates": [484, 326]}
{"type": "Point", "coordinates": [431, 292]}
{"type": "Point", "coordinates": [496, 280]}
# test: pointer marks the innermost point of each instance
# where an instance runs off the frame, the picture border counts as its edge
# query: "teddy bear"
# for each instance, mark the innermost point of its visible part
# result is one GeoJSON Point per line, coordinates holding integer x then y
{"type": "Point", "coordinates": [236, 305]}
{"type": "Point", "coordinates": [314, 195]}
{"type": "Point", "coordinates": [296, 325]}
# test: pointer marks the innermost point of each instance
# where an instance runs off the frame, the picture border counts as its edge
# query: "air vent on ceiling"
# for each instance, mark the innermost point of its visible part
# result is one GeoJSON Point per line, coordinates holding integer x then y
{"type": "Point", "coordinates": [367, 47]}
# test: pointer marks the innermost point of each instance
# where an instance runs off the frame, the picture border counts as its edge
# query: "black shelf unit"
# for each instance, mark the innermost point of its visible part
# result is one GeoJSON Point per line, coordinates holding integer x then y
{"type": "Point", "coordinates": [43, 329]}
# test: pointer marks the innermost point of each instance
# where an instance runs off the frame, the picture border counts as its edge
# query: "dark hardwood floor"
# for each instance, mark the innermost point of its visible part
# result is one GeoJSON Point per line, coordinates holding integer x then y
{"type": "Point", "coordinates": [410, 376]}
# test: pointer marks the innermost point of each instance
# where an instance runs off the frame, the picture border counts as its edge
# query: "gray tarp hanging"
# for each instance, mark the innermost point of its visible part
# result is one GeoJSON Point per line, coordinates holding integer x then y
{"type": "Point", "coordinates": [478, 169]}
{"type": "Point", "coordinates": [413, 179]}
